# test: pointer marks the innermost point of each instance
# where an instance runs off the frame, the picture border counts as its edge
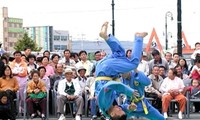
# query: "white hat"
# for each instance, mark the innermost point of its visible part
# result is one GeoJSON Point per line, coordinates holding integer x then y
{"type": "Point", "coordinates": [68, 70]}
{"type": "Point", "coordinates": [144, 54]}
{"type": "Point", "coordinates": [81, 68]}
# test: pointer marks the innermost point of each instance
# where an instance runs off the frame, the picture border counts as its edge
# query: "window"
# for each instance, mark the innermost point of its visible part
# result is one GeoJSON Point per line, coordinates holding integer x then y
{"type": "Point", "coordinates": [56, 37]}
{"type": "Point", "coordinates": [64, 38]}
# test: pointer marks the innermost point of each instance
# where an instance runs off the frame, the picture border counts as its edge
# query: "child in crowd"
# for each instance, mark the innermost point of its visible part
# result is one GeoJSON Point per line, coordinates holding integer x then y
{"type": "Point", "coordinates": [194, 90]}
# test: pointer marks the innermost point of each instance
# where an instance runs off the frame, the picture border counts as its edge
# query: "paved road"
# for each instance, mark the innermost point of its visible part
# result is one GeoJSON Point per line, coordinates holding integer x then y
{"type": "Point", "coordinates": [193, 116]}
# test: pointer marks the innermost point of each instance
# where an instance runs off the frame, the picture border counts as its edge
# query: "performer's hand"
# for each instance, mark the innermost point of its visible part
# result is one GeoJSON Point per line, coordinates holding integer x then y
{"type": "Point", "coordinates": [132, 107]}
{"type": "Point", "coordinates": [136, 93]}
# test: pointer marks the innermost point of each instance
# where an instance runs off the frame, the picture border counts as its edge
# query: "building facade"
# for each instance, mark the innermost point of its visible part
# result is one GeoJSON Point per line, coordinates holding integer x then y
{"type": "Point", "coordinates": [42, 35]}
{"type": "Point", "coordinates": [61, 40]}
{"type": "Point", "coordinates": [10, 30]}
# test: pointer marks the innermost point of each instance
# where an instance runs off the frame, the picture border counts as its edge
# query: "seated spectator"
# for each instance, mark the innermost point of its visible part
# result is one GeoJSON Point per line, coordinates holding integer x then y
{"type": "Point", "coordinates": [5, 107]}
{"type": "Point", "coordinates": [90, 88]}
{"type": "Point", "coordinates": [153, 89]}
{"type": "Point", "coordinates": [194, 90]}
{"type": "Point", "coordinates": [58, 75]}
{"type": "Point", "coordinates": [82, 79]}
{"type": "Point", "coordinates": [172, 88]}
{"type": "Point", "coordinates": [184, 77]}
{"type": "Point", "coordinates": [8, 88]}
{"type": "Point", "coordinates": [36, 100]}
{"type": "Point", "coordinates": [162, 72]}
{"type": "Point", "coordinates": [46, 80]}
{"type": "Point", "coordinates": [69, 90]}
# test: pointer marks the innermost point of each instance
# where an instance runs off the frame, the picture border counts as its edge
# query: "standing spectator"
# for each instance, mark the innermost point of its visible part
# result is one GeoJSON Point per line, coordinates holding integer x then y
{"type": "Point", "coordinates": [48, 67]}
{"type": "Point", "coordinates": [1, 49]}
{"type": "Point", "coordinates": [196, 51]}
{"type": "Point", "coordinates": [20, 71]}
{"type": "Point", "coordinates": [84, 62]}
{"type": "Point", "coordinates": [183, 63]}
{"type": "Point", "coordinates": [143, 65]}
{"type": "Point", "coordinates": [128, 53]}
{"type": "Point", "coordinates": [31, 62]}
{"type": "Point", "coordinates": [2, 64]}
{"type": "Point", "coordinates": [66, 60]}
{"type": "Point", "coordinates": [69, 90]}
{"type": "Point", "coordinates": [175, 59]}
{"type": "Point", "coordinates": [97, 56]}
{"type": "Point", "coordinates": [195, 72]}
{"type": "Point", "coordinates": [5, 60]}
{"type": "Point", "coordinates": [75, 57]}
{"type": "Point", "coordinates": [103, 54]}
{"type": "Point", "coordinates": [23, 57]}
{"type": "Point", "coordinates": [172, 88]}
{"type": "Point", "coordinates": [27, 52]}
{"type": "Point", "coordinates": [54, 60]}
{"type": "Point", "coordinates": [47, 53]}
{"type": "Point", "coordinates": [157, 60]}
{"type": "Point", "coordinates": [36, 91]}
{"type": "Point", "coordinates": [168, 57]}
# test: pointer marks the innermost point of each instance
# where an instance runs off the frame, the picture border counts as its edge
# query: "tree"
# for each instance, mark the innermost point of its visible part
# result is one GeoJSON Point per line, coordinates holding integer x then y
{"type": "Point", "coordinates": [26, 41]}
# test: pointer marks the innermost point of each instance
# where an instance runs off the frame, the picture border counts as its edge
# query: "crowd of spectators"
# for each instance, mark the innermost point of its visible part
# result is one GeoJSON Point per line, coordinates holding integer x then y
{"type": "Point", "coordinates": [73, 78]}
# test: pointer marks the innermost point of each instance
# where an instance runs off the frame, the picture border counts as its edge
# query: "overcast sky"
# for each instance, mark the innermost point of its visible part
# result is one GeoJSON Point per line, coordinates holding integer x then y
{"type": "Point", "coordinates": [83, 18]}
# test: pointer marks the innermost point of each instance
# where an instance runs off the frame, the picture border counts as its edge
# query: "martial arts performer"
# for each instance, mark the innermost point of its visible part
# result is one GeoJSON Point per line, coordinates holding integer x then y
{"type": "Point", "coordinates": [111, 66]}
{"type": "Point", "coordinates": [107, 100]}
{"type": "Point", "coordinates": [137, 80]}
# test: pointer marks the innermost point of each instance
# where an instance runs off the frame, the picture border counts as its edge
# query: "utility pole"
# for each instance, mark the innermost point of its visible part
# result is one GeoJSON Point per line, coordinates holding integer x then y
{"type": "Point", "coordinates": [113, 18]}
{"type": "Point", "coordinates": [179, 26]}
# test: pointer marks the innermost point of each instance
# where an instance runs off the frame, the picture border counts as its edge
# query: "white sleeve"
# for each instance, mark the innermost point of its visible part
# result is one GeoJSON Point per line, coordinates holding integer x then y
{"type": "Point", "coordinates": [77, 87]}
{"type": "Point", "coordinates": [163, 87]}
{"type": "Point", "coordinates": [61, 88]}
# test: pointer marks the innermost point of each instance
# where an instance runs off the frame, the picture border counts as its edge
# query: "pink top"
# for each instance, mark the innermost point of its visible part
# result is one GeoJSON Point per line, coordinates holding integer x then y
{"type": "Point", "coordinates": [49, 70]}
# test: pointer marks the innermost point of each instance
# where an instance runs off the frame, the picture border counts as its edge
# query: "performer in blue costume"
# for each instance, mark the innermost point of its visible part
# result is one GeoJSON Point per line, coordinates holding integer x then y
{"type": "Point", "coordinates": [107, 95]}
{"type": "Point", "coordinates": [111, 66]}
{"type": "Point", "coordinates": [137, 80]}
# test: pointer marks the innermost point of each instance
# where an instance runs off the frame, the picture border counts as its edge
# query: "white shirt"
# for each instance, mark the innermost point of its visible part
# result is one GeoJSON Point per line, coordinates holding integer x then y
{"type": "Point", "coordinates": [169, 84]}
{"type": "Point", "coordinates": [87, 65]}
{"type": "Point", "coordinates": [71, 62]}
{"type": "Point", "coordinates": [144, 67]}
{"type": "Point", "coordinates": [62, 86]}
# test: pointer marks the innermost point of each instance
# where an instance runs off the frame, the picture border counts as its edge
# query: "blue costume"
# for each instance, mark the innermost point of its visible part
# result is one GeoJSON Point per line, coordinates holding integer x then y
{"type": "Point", "coordinates": [109, 92]}
{"type": "Point", "coordinates": [111, 66]}
{"type": "Point", "coordinates": [144, 109]}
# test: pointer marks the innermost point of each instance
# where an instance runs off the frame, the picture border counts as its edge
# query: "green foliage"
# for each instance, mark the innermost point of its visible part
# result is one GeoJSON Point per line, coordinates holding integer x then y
{"type": "Point", "coordinates": [26, 41]}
